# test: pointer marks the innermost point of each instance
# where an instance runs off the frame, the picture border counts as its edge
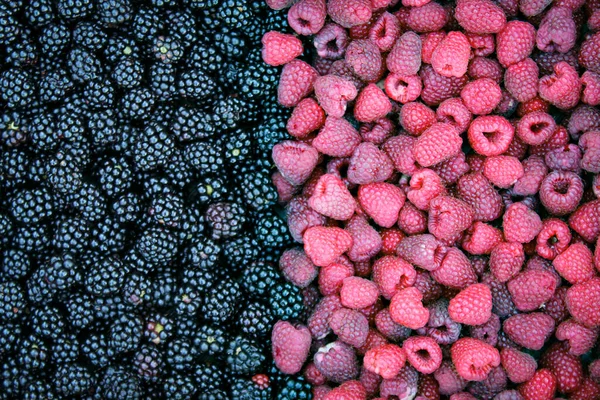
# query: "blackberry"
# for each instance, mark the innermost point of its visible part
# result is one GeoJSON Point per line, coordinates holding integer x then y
{"type": "Point", "coordinates": [118, 383]}
{"type": "Point", "coordinates": [89, 202]}
{"type": "Point", "coordinates": [258, 278]}
{"type": "Point", "coordinates": [105, 277]}
{"type": "Point", "coordinates": [113, 308]}
{"type": "Point", "coordinates": [189, 298]}
{"type": "Point", "coordinates": [162, 290]}
{"type": "Point", "coordinates": [9, 336]}
{"type": "Point", "coordinates": [167, 49]}
{"type": "Point", "coordinates": [238, 148]}
{"type": "Point", "coordinates": [15, 263]}
{"type": "Point", "coordinates": [47, 322]}
{"type": "Point", "coordinates": [14, 164]}
{"type": "Point", "coordinates": [125, 333]}
{"type": "Point", "coordinates": [120, 48]}
{"type": "Point", "coordinates": [153, 148]}
{"type": "Point", "coordinates": [13, 377]}
{"type": "Point", "coordinates": [113, 13]}
{"type": "Point", "coordinates": [102, 126]}
{"type": "Point", "coordinates": [127, 208]}
{"type": "Point", "coordinates": [65, 349]}
{"type": "Point", "coordinates": [115, 175]}
{"type": "Point", "coordinates": [205, 157]}
{"type": "Point", "coordinates": [135, 287]}
{"type": "Point", "coordinates": [89, 35]}
{"type": "Point", "coordinates": [33, 353]}
{"type": "Point", "coordinates": [195, 84]}
{"type": "Point", "coordinates": [99, 94]}
{"type": "Point", "coordinates": [204, 56]}
{"type": "Point", "coordinates": [146, 24]}
{"type": "Point", "coordinates": [148, 362]}
{"type": "Point", "coordinates": [158, 328]}
{"type": "Point", "coordinates": [13, 129]}
{"type": "Point", "coordinates": [17, 88]}
{"type": "Point", "coordinates": [177, 170]}
{"type": "Point", "coordinates": [255, 320]}
{"type": "Point", "coordinates": [156, 245]}
{"type": "Point", "coordinates": [231, 42]}
{"type": "Point", "coordinates": [182, 26]}
{"type": "Point", "coordinates": [127, 73]}
{"type": "Point", "coordinates": [180, 354]}
{"type": "Point", "coordinates": [271, 230]}
{"type": "Point", "coordinates": [209, 189]}
{"type": "Point", "coordinates": [42, 132]}
{"type": "Point", "coordinates": [192, 123]}
{"type": "Point", "coordinates": [294, 387]}
{"type": "Point", "coordinates": [286, 301]}
{"type": "Point", "coordinates": [240, 252]}
{"type": "Point", "coordinates": [38, 389]}
{"type": "Point", "coordinates": [221, 301]}
{"type": "Point", "coordinates": [38, 12]}
{"type": "Point", "coordinates": [227, 112]}
{"type": "Point", "coordinates": [203, 254]}
{"type": "Point", "coordinates": [73, 379]}
{"type": "Point", "coordinates": [70, 125]}
{"type": "Point", "coordinates": [12, 300]}
{"type": "Point", "coordinates": [179, 387]}
{"type": "Point", "coordinates": [257, 188]}
{"type": "Point", "coordinates": [162, 80]}
{"type": "Point", "coordinates": [208, 377]}
{"type": "Point", "coordinates": [166, 210]}
{"type": "Point", "coordinates": [71, 234]}
{"type": "Point", "coordinates": [64, 173]}
{"type": "Point", "coordinates": [97, 350]}
{"type": "Point", "coordinates": [235, 13]}
{"type": "Point", "coordinates": [54, 39]}
{"type": "Point", "coordinates": [214, 395]}
{"type": "Point", "coordinates": [210, 341]}
{"type": "Point", "coordinates": [22, 52]}
{"type": "Point", "coordinates": [84, 66]}
{"type": "Point", "coordinates": [55, 86]}
{"type": "Point", "coordinates": [244, 356]}
{"type": "Point", "coordinates": [80, 310]}
{"type": "Point", "coordinates": [33, 239]}
{"type": "Point", "coordinates": [63, 271]}
{"type": "Point", "coordinates": [137, 104]}
{"type": "Point", "coordinates": [225, 219]}
{"type": "Point", "coordinates": [74, 9]}
{"type": "Point", "coordinates": [248, 389]}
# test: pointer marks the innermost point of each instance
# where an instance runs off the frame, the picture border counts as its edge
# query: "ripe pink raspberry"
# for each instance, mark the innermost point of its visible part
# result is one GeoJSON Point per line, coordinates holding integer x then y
{"type": "Point", "coordinates": [382, 202]}
{"type": "Point", "coordinates": [295, 160]}
{"type": "Point", "coordinates": [313, 375]}
{"type": "Point", "coordinates": [406, 308]}
{"type": "Point", "coordinates": [529, 330]}
{"type": "Point", "coordinates": [558, 139]}
{"type": "Point", "coordinates": [483, 67]}
{"type": "Point", "coordinates": [318, 322]}
{"type": "Point", "coordinates": [279, 4]}
{"type": "Point", "coordinates": [557, 31]}
{"type": "Point", "coordinates": [385, 31]}
{"type": "Point", "coordinates": [374, 339]}
{"type": "Point", "coordinates": [495, 382]}
{"type": "Point", "coordinates": [501, 298]}
{"type": "Point", "coordinates": [371, 104]}
{"type": "Point", "coordinates": [425, 185]}
{"type": "Point", "coordinates": [386, 360]}
{"type": "Point", "coordinates": [482, 45]}
{"type": "Point", "coordinates": [428, 388]}
{"type": "Point", "coordinates": [536, 127]}
{"type": "Point", "coordinates": [297, 267]}
{"type": "Point", "coordinates": [377, 132]}
{"type": "Point", "coordinates": [285, 190]}
{"type": "Point", "coordinates": [481, 96]}
{"type": "Point", "coordinates": [399, 150]}
{"type": "Point", "coordinates": [369, 164]}
{"type": "Point", "coordinates": [392, 274]}
{"type": "Point", "coordinates": [531, 8]}
{"type": "Point", "coordinates": [301, 217]}
{"type": "Point", "coordinates": [579, 298]}
{"type": "Point", "coordinates": [423, 353]}
{"type": "Point", "coordinates": [325, 244]}
{"type": "Point", "coordinates": [586, 220]}
{"type": "Point", "coordinates": [364, 59]}
{"type": "Point", "coordinates": [429, 42]}
{"type": "Point", "coordinates": [440, 327]}
{"type": "Point", "coordinates": [390, 329]}
{"type": "Point", "coordinates": [342, 69]}
{"type": "Point", "coordinates": [481, 238]}
{"type": "Point", "coordinates": [403, 88]}
{"type": "Point", "coordinates": [589, 54]}
{"type": "Point", "coordinates": [405, 57]}
{"type": "Point", "coordinates": [589, 389]}
{"type": "Point", "coordinates": [390, 238]}
{"type": "Point", "coordinates": [307, 17]}
{"type": "Point", "coordinates": [566, 367]}
{"type": "Point", "coordinates": [575, 264]}
{"type": "Point", "coordinates": [437, 88]}
{"type": "Point", "coordinates": [290, 346]}
{"type": "Point", "coordinates": [416, 117]}
{"type": "Point", "coordinates": [411, 220]}
{"type": "Point", "coordinates": [331, 41]}
{"type": "Point", "coordinates": [358, 293]}
{"type": "Point", "coordinates": [349, 390]}
{"type": "Point", "coordinates": [439, 142]}
{"type": "Point", "coordinates": [350, 326]}
{"type": "Point", "coordinates": [515, 42]}
{"type": "Point", "coordinates": [473, 358]}
{"type": "Point", "coordinates": [561, 88]}
{"type": "Point", "coordinates": [430, 17]}
{"type": "Point", "coordinates": [307, 117]}
{"type": "Point", "coordinates": [531, 289]}
{"type": "Point", "coordinates": [403, 386]}
{"type": "Point", "coordinates": [541, 386]}
{"type": "Point", "coordinates": [472, 306]}
{"type": "Point", "coordinates": [295, 83]}
{"type": "Point", "coordinates": [424, 251]}
{"type": "Point", "coordinates": [579, 338]}
{"type": "Point", "coordinates": [337, 362]}
{"type": "Point", "coordinates": [449, 216]}
{"type": "Point", "coordinates": [448, 379]}
{"type": "Point", "coordinates": [520, 367]}
{"type": "Point", "coordinates": [280, 48]}
{"type": "Point", "coordinates": [503, 171]}
{"type": "Point", "coordinates": [337, 138]}
{"type": "Point", "coordinates": [520, 223]}
{"type": "Point", "coordinates": [451, 56]}
{"type": "Point", "coordinates": [535, 104]}
{"type": "Point", "coordinates": [589, 142]}
{"type": "Point", "coordinates": [349, 13]}
{"type": "Point", "coordinates": [333, 92]}
{"type": "Point", "coordinates": [480, 16]}
{"type": "Point", "coordinates": [553, 239]}
{"type": "Point", "coordinates": [561, 192]}
{"type": "Point", "coordinates": [534, 171]}
{"type": "Point", "coordinates": [490, 135]}
{"type": "Point", "coordinates": [366, 240]}
{"type": "Point", "coordinates": [452, 169]}
{"type": "Point", "coordinates": [332, 198]}
{"type": "Point", "coordinates": [506, 260]}
{"type": "Point", "coordinates": [521, 80]}
{"type": "Point", "coordinates": [477, 191]}
{"type": "Point", "coordinates": [590, 82]}
{"type": "Point", "coordinates": [583, 119]}
{"type": "Point", "coordinates": [455, 270]}
{"type": "Point", "coordinates": [331, 278]}
{"type": "Point", "coordinates": [370, 381]}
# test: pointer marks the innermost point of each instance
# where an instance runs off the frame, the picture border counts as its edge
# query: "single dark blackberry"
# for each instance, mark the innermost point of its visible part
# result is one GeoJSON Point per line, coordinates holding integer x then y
{"type": "Point", "coordinates": [153, 148]}
{"type": "Point", "coordinates": [33, 353]}
{"type": "Point", "coordinates": [119, 48]}
{"type": "Point", "coordinates": [15, 263]}
{"type": "Point", "coordinates": [69, 122]}
{"type": "Point", "coordinates": [13, 377]}
{"type": "Point", "coordinates": [137, 104]}
{"type": "Point", "coordinates": [225, 219]}
{"type": "Point", "coordinates": [255, 320]}
{"type": "Point", "coordinates": [221, 301]}
{"type": "Point", "coordinates": [178, 387]}
{"type": "Point", "coordinates": [112, 308]}
{"type": "Point", "coordinates": [210, 341]}
{"type": "Point", "coordinates": [205, 157]}
{"type": "Point", "coordinates": [23, 51]}
{"type": "Point", "coordinates": [257, 188]}
{"type": "Point", "coordinates": [195, 84]}
{"type": "Point", "coordinates": [31, 206]}
{"type": "Point", "coordinates": [89, 35]}
{"type": "Point", "coordinates": [42, 132]}
{"type": "Point", "coordinates": [65, 349]}
{"type": "Point", "coordinates": [162, 80]}
{"type": "Point", "coordinates": [63, 271]}
{"type": "Point", "coordinates": [115, 175]}
{"type": "Point", "coordinates": [113, 13]}
{"type": "Point", "coordinates": [54, 40]}
{"type": "Point", "coordinates": [157, 245]}
{"type": "Point", "coordinates": [127, 208]}
{"type": "Point", "coordinates": [148, 362]}
{"type": "Point", "coordinates": [33, 239]}
{"type": "Point", "coordinates": [46, 322]}
{"type": "Point", "coordinates": [84, 65]}
{"type": "Point", "coordinates": [192, 123]}
{"type": "Point", "coordinates": [239, 252]}
{"type": "Point", "coordinates": [180, 354]}
{"type": "Point", "coordinates": [256, 80]}
{"type": "Point", "coordinates": [103, 127]}
{"type": "Point", "coordinates": [128, 73]}
{"type": "Point", "coordinates": [99, 94]}
{"type": "Point", "coordinates": [204, 56]}
{"type": "Point", "coordinates": [166, 210]}
{"type": "Point", "coordinates": [209, 377]}
{"type": "Point", "coordinates": [178, 171]}
{"type": "Point", "coordinates": [154, 184]}
{"type": "Point", "coordinates": [39, 12]}
{"type": "Point", "coordinates": [71, 234]}
{"type": "Point", "coordinates": [64, 173]}
{"type": "Point", "coordinates": [158, 328]}
{"type": "Point", "coordinates": [258, 278]}
{"type": "Point", "coordinates": [14, 128]}
{"type": "Point", "coordinates": [244, 356]}
{"type": "Point", "coordinates": [55, 86]}
{"type": "Point", "coordinates": [10, 334]}
{"type": "Point", "coordinates": [271, 230]}
{"type": "Point", "coordinates": [216, 394]}
{"type": "Point", "coordinates": [231, 42]}
{"type": "Point", "coordinates": [73, 379]}
{"type": "Point", "coordinates": [275, 20]}
{"type": "Point", "coordinates": [294, 387]}
{"type": "Point", "coordinates": [17, 88]}
{"type": "Point", "coordinates": [125, 333]}
{"type": "Point", "coordinates": [146, 24]}
{"type": "Point", "coordinates": [80, 310]}
{"type": "Point", "coordinates": [203, 253]}
{"type": "Point", "coordinates": [89, 202]}
{"type": "Point", "coordinates": [135, 287]}
{"type": "Point", "coordinates": [167, 49]}
{"type": "Point", "coordinates": [256, 388]}
{"type": "Point", "coordinates": [209, 189]}
{"type": "Point", "coordinates": [189, 298]}
{"type": "Point", "coordinates": [286, 301]}
{"type": "Point", "coordinates": [235, 13]}
{"type": "Point", "coordinates": [118, 384]}
{"type": "Point", "coordinates": [105, 277]}
{"type": "Point", "coordinates": [161, 291]}
{"type": "Point", "coordinates": [38, 389]}
{"type": "Point", "coordinates": [74, 9]}
{"type": "Point", "coordinates": [227, 112]}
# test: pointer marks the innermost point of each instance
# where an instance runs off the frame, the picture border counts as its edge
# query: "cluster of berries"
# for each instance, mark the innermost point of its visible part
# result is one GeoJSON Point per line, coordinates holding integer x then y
{"type": "Point", "coordinates": [443, 186]}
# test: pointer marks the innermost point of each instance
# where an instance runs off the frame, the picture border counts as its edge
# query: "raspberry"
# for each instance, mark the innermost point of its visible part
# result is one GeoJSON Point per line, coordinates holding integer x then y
{"type": "Point", "coordinates": [318, 322]}
{"type": "Point", "coordinates": [566, 368]}
{"type": "Point", "coordinates": [424, 251]}
{"type": "Point", "coordinates": [279, 4]}
{"type": "Point", "coordinates": [403, 386]}
{"type": "Point", "coordinates": [382, 202]}
{"type": "Point", "coordinates": [405, 57]}
{"type": "Point", "coordinates": [481, 238]}
{"type": "Point", "coordinates": [575, 264]}
{"type": "Point", "coordinates": [371, 104]}
{"type": "Point", "coordinates": [369, 164]}
{"type": "Point", "coordinates": [589, 389]}
{"type": "Point", "coordinates": [406, 308]}
{"type": "Point", "coordinates": [301, 217]}
{"type": "Point", "coordinates": [529, 330]}
{"type": "Point", "coordinates": [584, 118]}
{"type": "Point", "coordinates": [349, 13]}
{"type": "Point", "coordinates": [290, 346]}
{"type": "Point", "coordinates": [331, 278]}
{"type": "Point", "coordinates": [449, 380]}
{"type": "Point", "coordinates": [295, 160]}
{"type": "Point", "coordinates": [506, 260]}
{"type": "Point", "coordinates": [521, 80]}
{"type": "Point", "coordinates": [531, 8]}
{"type": "Point", "coordinates": [386, 360]}
{"type": "Point", "coordinates": [437, 88]}
{"type": "Point", "coordinates": [429, 17]}
{"type": "Point", "coordinates": [425, 185]}
{"type": "Point", "coordinates": [280, 48]}
{"type": "Point", "coordinates": [454, 112]}
{"type": "Point", "coordinates": [377, 132]}
{"type": "Point", "coordinates": [403, 88]}
{"type": "Point", "coordinates": [534, 171]}
{"type": "Point", "coordinates": [307, 17]}
{"type": "Point", "coordinates": [483, 67]}
{"type": "Point", "coordinates": [331, 41]}
{"type": "Point", "coordinates": [342, 69]}
{"type": "Point", "coordinates": [374, 339]}
{"type": "Point", "coordinates": [366, 240]}
{"type": "Point", "coordinates": [472, 306]}
{"type": "Point", "coordinates": [364, 59]}
{"type": "Point", "coordinates": [337, 138]}
{"type": "Point", "coordinates": [520, 367]}
{"type": "Point", "coordinates": [553, 239]}
{"type": "Point", "coordinates": [557, 31]}
{"type": "Point", "coordinates": [296, 82]}
{"type": "Point", "coordinates": [337, 362]}
{"type": "Point", "coordinates": [586, 220]}
{"type": "Point", "coordinates": [370, 381]}
{"type": "Point", "coordinates": [349, 390]}
{"type": "Point", "coordinates": [285, 190]}
{"type": "Point", "coordinates": [452, 169]}
{"type": "Point", "coordinates": [451, 56]}
{"type": "Point", "coordinates": [392, 274]}
{"type": "Point", "coordinates": [481, 96]}
{"type": "Point", "coordinates": [531, 289]}
{"type": "Point", "coordinates": [536, 127]}
{"type": "Point", "coordinates": [430, 42]}
{"type": "Point", "coordinates": [579, 298]}
{"type": "Point", "coordinates": [332, 198]}
{"type": "Point", "coordinates": [580, 339]}
{"type": "Point", "coordinates": [490, 135]}
{"type": "Point", "coordinates": [482, 45]}
{"type": "Point", "coordinates": [333, 92]}
{"type": "Point", "coordinates": [480, 16]}
{"type": "Point", "coordinates": [440, 326]}
{"type": "Point", "coordinates": [385, 31]}
{"type": "Point", "coordinates": [473, 358]}
{"type": "Point", "coordinates": [520, 223]}
{"type": "Point", "coordinates": [503, 171]}
{"type": "Point", "coordinates": [297, 267]}
{"type": "Point", "coordinates": [399, 150]}
{"type": "Point", "coordinates": [515, 42]}
{"type": "Point", "coordinates": [390, 238]}
{"type": "Point", "coordinates": [358, 293]}
{"type": "Point", "coordinates": [438, 143]}
{"type": "Point", "coordinates": [541, 386]}
{"type": "Point", "coordinates": [423, 353]}
{"type": "Point", "coordinates": [428, 388]}
{"type": "Point", "coordinates": [350, 326]}
{"type": "Point", "coordinates": [325, 244]}
{"type": "Point", "coordinates": [589, 54]}
{"type": "Point", "coordinates": [449, 216]}
{"type": "Point", "coordinates": [411, 220]}
{"type": "Point", "coordinates": [455, 271]}
{"type": "Point", "coordinates": [416, 117]}
{"type": "Point", "coordinates": [561, 88]}
{"type": "Point", "coordinates": [535, 104]}
{"type": "Point", "coordinates": [492, 384]}
{"type": "Point", "coordinates": [590, 82]}
{"type": "Point", "coordinates": [589, 142]}
{"type": "Point", "coordinates": [477, 191]}
{"type": "Point", "coordinates": [561, 191]}
{"type": "Point", "coordinates": [306, 117]}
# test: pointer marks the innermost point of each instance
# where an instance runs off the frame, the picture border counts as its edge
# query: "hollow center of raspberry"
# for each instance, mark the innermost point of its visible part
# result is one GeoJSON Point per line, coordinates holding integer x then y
{"type": "Point", "coordinates": [490, 136]}
{"type": "Point", "coordinates": [423, 354]}
{"type": "Point", "coordinates": [537, 128]}
{"type": "Point", "coordinates": [332, 46]}
{"type": "Point", "coordinates": [303, 22]}
{"type": "Point", "coordinates": [561, 186]}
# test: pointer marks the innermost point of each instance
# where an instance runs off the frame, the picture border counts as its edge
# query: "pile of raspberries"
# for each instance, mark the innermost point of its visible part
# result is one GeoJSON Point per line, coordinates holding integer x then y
{"type": "Point", "coordinates": [442, 181]}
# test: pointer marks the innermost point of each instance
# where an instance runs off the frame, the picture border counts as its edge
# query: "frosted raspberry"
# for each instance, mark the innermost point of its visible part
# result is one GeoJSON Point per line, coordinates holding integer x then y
{"type": "Point", "coordinates": [520, 223]}
{"type": "Point", "coordinates": [521, 80]}
{"type": "Point", "coordinates": [558, 139]}
{"type": "Point", "coordinates": [455, 270]}
{"type": "Point", "coordinates": [481, 96]}
{"type": "Point", "coordinates": [290, 346]}
{"type": "Point", "coordinates": [357, 293]}
{"type": "Point", "coordinates": [325, 244]}
{"type": "Point", "coordinates": [301, 217]}
{"type": "Point", "coordinates": [562, 88]}
{"type": "Point", "coordinates": [318, 322]}
{"type": "Point", "coordinates": [323, 65]}
{"type": "Point", "coordinates": [473, 358]}
{"type": "Point", "coordinates": [319, 392]}
{"type": "Point", "coordinates": [366, 240]}
{"type": "Point", "coordinates": [385, 31]}
{"type": "Point", "coordinates": [438, 143]}
{"type": "Point", "coordinates": [490, 135]}
{"type": "Point", "coordinates": [557, 31]}
{"type": "Point", "coordinates": [590, 82]}
{"type": "Point", "coordinates": [377, 132]}
{"type": "Point", "coordinates": [337, 362]}
{"type": "Point", "coordinates": [332, 198]}
{"type": "Point", "coordinates": [331, 41]}
{"type": "Point", "coordinates": [411, 220]}
{"type": "Point", "coordinates": [392, 274]}
{"type": "Point", "coordinates": [534, 172]}
{"type": "Point", "coordinates": [566, 367]}
{"type": "Point", "coordinates": [382, 202]}
{"type": "Point", "coordinates": [406, 308]}
{"type": "Point", "coordinates": [575, 264]}
{"type": "Point", "coordinates": [579, 339]}
{"type": "Point", "coordinates": [369, 164]}
{"type": "Point", "coordinates": [448, 379]}
{"type": "Point", "coordinates": [364, 58]}
{"type": "Point", "coordinates": [386, 360]}
{"type": "Point", "coordinates": [503, 171]}
{"type": "Point", "coordinates": [280, 48]}
{"type": "Point", "coordinates": [451, 56]}
{"type": "Point", "coordinates": [541, 386]}
{"type": "Point", "coordinates": [481, 238]}
{"type": "Point", "coordinates": [400, 151]}
{"type": "Point", "coordinates": [371, 104]}
{"type": "Point", "coordinates": [453, 111]}
{"type": "Point", "coordinates": [529, 330]}
{"type": "Point", "coordinates": [480, 16]}
{"type": "Point", "coordinates": [561, 192]}
{"type": "Point", "coordinates": [307, 17]}
{"type": "Point", "coordinates": [313, 375]}
{"type": "Point", "coordinates": [581, 299]}
{"type": "Point", "coordinates": [337, 138]}
{"type": "Point", "coordinates": [427, 18]}
{"type": "Point", "coordinates": [333, 93]}
{"type": "Point", "coordinates": [531, 289]}
{"type": "Point", "coordinates": [477, 191]}
{"type": "Point", "coordinates": [429, 42]}
{"type": "Point", "coordinates": [507, 105]}
{"type": "Point", "coordinates": [452, 169]}
{"type": "Point", "coordinates": [556, 307]}
{"type": "Point", "coordinates": [531, 8]}
{"type": "Point", "coordinates": [589, 142]}
{"type": "Point", "coordinates": [472, 306]}
{"type": "Point", "coordinates": [425, 185]}
{"type": "Point", "coordinates": [403, 386]}
{"type": "Point", "coordinates": [295, 83]}
{"type": "Point", "coordinates": [482, 67]}
{"type": "Point", "coordinates": [349, 13]}
{"type": "Point", "coordinates": [506, 260]}
{"type": "Point", "coordinates": [331, 278]}
{"type": "Point", "coordinates": [405, 57]}
{"type": "Point", "coordinates": [295, 160]}
{"type": "Point", "coordinates": [424, 251]}
{"type": "Point", "coordinates": [403, 88]}
{"type": "Point", "coordinates": [390, 329]}
{"type": "Point", "coordinates": [583, 119]}
{"type": "Point", "coordinates": [297, 267]}
{"type": "Point", "coordinates": [306, 118]}
{"type": "Point", "coordinates": [448, 216]}
{"type": "Point", "coordinates": [285, 190]}
{"type": "Point", "coordinates": [520, 367]}
{"type": "Point", "coordinates": [350, 326]}
{"type": "Point", "coordinates": [536, 127]}
{"type": "Point", "coordinates": [482, 45]}
{"type": "Point", "coordinates": [423, 353]}
{"type": "Point", "coordinates": [416, 117]}
{"type": "Point", "coordinates": [437, 88]}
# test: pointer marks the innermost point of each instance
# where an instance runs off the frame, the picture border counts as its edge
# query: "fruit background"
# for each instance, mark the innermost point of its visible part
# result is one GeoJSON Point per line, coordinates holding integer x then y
{"type": "Point", "coordinates": [281, 199]}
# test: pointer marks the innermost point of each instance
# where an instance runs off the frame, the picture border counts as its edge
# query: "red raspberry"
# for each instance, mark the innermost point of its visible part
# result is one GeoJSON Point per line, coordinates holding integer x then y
{"type": "Point", "coordinates": [285, 190]}
{"type": "Point", "coordinates": [501, 298]}
{"type": "Point", "coordinates": [369, 164]}
{"type": "Point", "coordinates": [333, 93]}
{"type": "Point", "coordinates": [371, 104]}
{"type": "Point", "coordinates": [279, 4]}
{"type": "Point", "coordinates": [581, 299]}
{"type": "Point", "coordinates": [342, 69]}
{"type": "Point", "coordinates": [319, 392]}
{"type": "Point", "coordinates": [579, 339]}
{"type": "Point", "coordinates": [424, 251]}
{"type": "Point", "coordinates": [541, 387]}
{"type": "Point", "coordinates": [589, 142]}
{"type": "Point", "coordinates": [455, 271]}
{"type": "Point", "coordinates": [453, 111]}
{"type": "Point", "coordinates": [520, 367]}
{"type": "Point", "coordinates": [301, 217]}
{"type": "Point", "coordinates": [405, 57]}
{"type": "Point", "coordinates": [483, 67]}
{"type": "Point", "coordinates": [430, 41]}
{"type": "Point", "coordinates": [479, 16]}
{"type": "Point", "coordinates": [472, 306]}
{"type": "Point", "coordinates": [331, 278]}
{"type": "Point", "coordinates": [366, 240]}
{"type": "Point", "coordinates": [390, 239]}
{"type": "Point", "coordinates": [403, 88]}
{"type": "Point", "coordinates": [390, 329]}
{"type": "Point", "coordinates": [561, 88]}
{"type": "Point", "coordinates": [374, 339]}
{"type": "Point", "coordinates": [357, 293]}
{"type": "Point", "coordinates": [440, 326]}
{"type": "Point", "coordinates": [452, 169]}
{"type": "Point", "coordinates": [591, 87]}
{"type": "Point", "coordinates": [481, 96]}
{"type": "Point", "coordinates": [423, 353]}
{"type": "Point", "coordinates": [515, 42]}
{"type": "Point", "coordinates": [438, 143]}
{"type": "Point", "coordinates": [411, 220]}
{"type": "Point", "coordinates": [350, 326]}
{"type": "Point", "coordinates": [566, 368]}
{"type": "Point", "coordinates": [400, 151]}
{"type": "Point", "coordinates": [370, 381]}
{"type": "Point", "coordinates": [588, 389]}
{"type": "Point", "coordinates": [416, 117]}
{"type": "Point", "coordinates": [377, 132]}
{"type": "Point", "coordinates": [296, 82]}
{"type": "Point", "coordinates": [382, 202]}
{"type": "Point", "coordinates": [553, 239]}
{"type": "Point", "coordinates": [451, 56]}
{"type": "Point", "coordinates": [364, 59]}
{"type": "Point", "coordinates": [297, 267]}
{"type": "Point", "coordinates": [490, 135]}
{"type": "Point", "coordinates": [406, 308]}
{"type": "Point", "coordinates": [307, 17]}
{"type": "Point", "coordinates": [295, 160]}
{"type": "Point", "coordinates": [280, 48]}
{"type": "Point", "coordinates": [473, 358]}
{"type": "Point", "coordinates": [425, 185]}
{"type": "Point", "coordinates": [558, 139]}
{"type": "Point", "coordinates": [337, 362]}
{"type": "Point", "coordinates": [318, 322]}
{"type": "Point", "coordinates": [403, 386]}
{"type": "Point", "coordinates": [477, 191]}
{"type": "Point", "coordinates": [575, 264]}
{"type": "Point", "coordinates": [536, 127]}
{"type": "Point", "coordinates": [332, 198]}
{"type": "Point", "coordinates": [534, 171]}
{"type": "Point", "coordinates": [536, 104]}
{"type": "Point", "coordinates": [506, 260]}
{"type": "Point", "coordinates": [331, 41]}
{"type": "Point", "coordinates": [503, 171]}
{"type": "Point", "coordinates": [531, 8]}
{"type": "Point", "coordinates": [311, 183]}
{"type": "Point", "coordinates": [449, 216]}
{"type": "Point", "coordinates": [482, 45]}
{"type": "Point", "coordinates": [529, 330]}
{"type": "Point", "coordinates": [586, 220]}
{"type": "Point", "coordinates": [561, 192]}
{"type": "Point", "coordinates": [337, 138]}
{"type": "Point", "coordinates": [349, 13]}
{"type": "Point", "coordinates": [531, 289]}
{"type": "Point", "coordinates": [521, 80]}
{"type": "Point", "coordinates": [520, 223]}
{"type": "Point", "coordinates": [583, 119]}
{"type": "Point", "coordinates": [392, 274]}
{"type": "Point", "coordinates": [428, 388]}
{"type": "Point", "coordinates": [430, 17]}
{"type": "Point", "coordinates": [385, 31]}
{"type": "Point", "coordinates": [481, 238]}
{"type": "Point", "coordinates": [325, 244]}
{"type": "Point", "coordinates": [495, 382]}
{"type": "Point", "coordinates": [449, 380]}
{"type": "Point", "coordinates": [307, 117]}
{"type": "Point", "coordinates": [290, 346]}
{"type": "Point", "coordinates": [557, 31]}
{"type": "Point", "coordinates": [428, 286]}
{"type": "Point", "coordinates": [437, 88]}
{"type": "Point", "coordinates": [386, 360]}
{"type": "Point", "coordinates": [349, 390]}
